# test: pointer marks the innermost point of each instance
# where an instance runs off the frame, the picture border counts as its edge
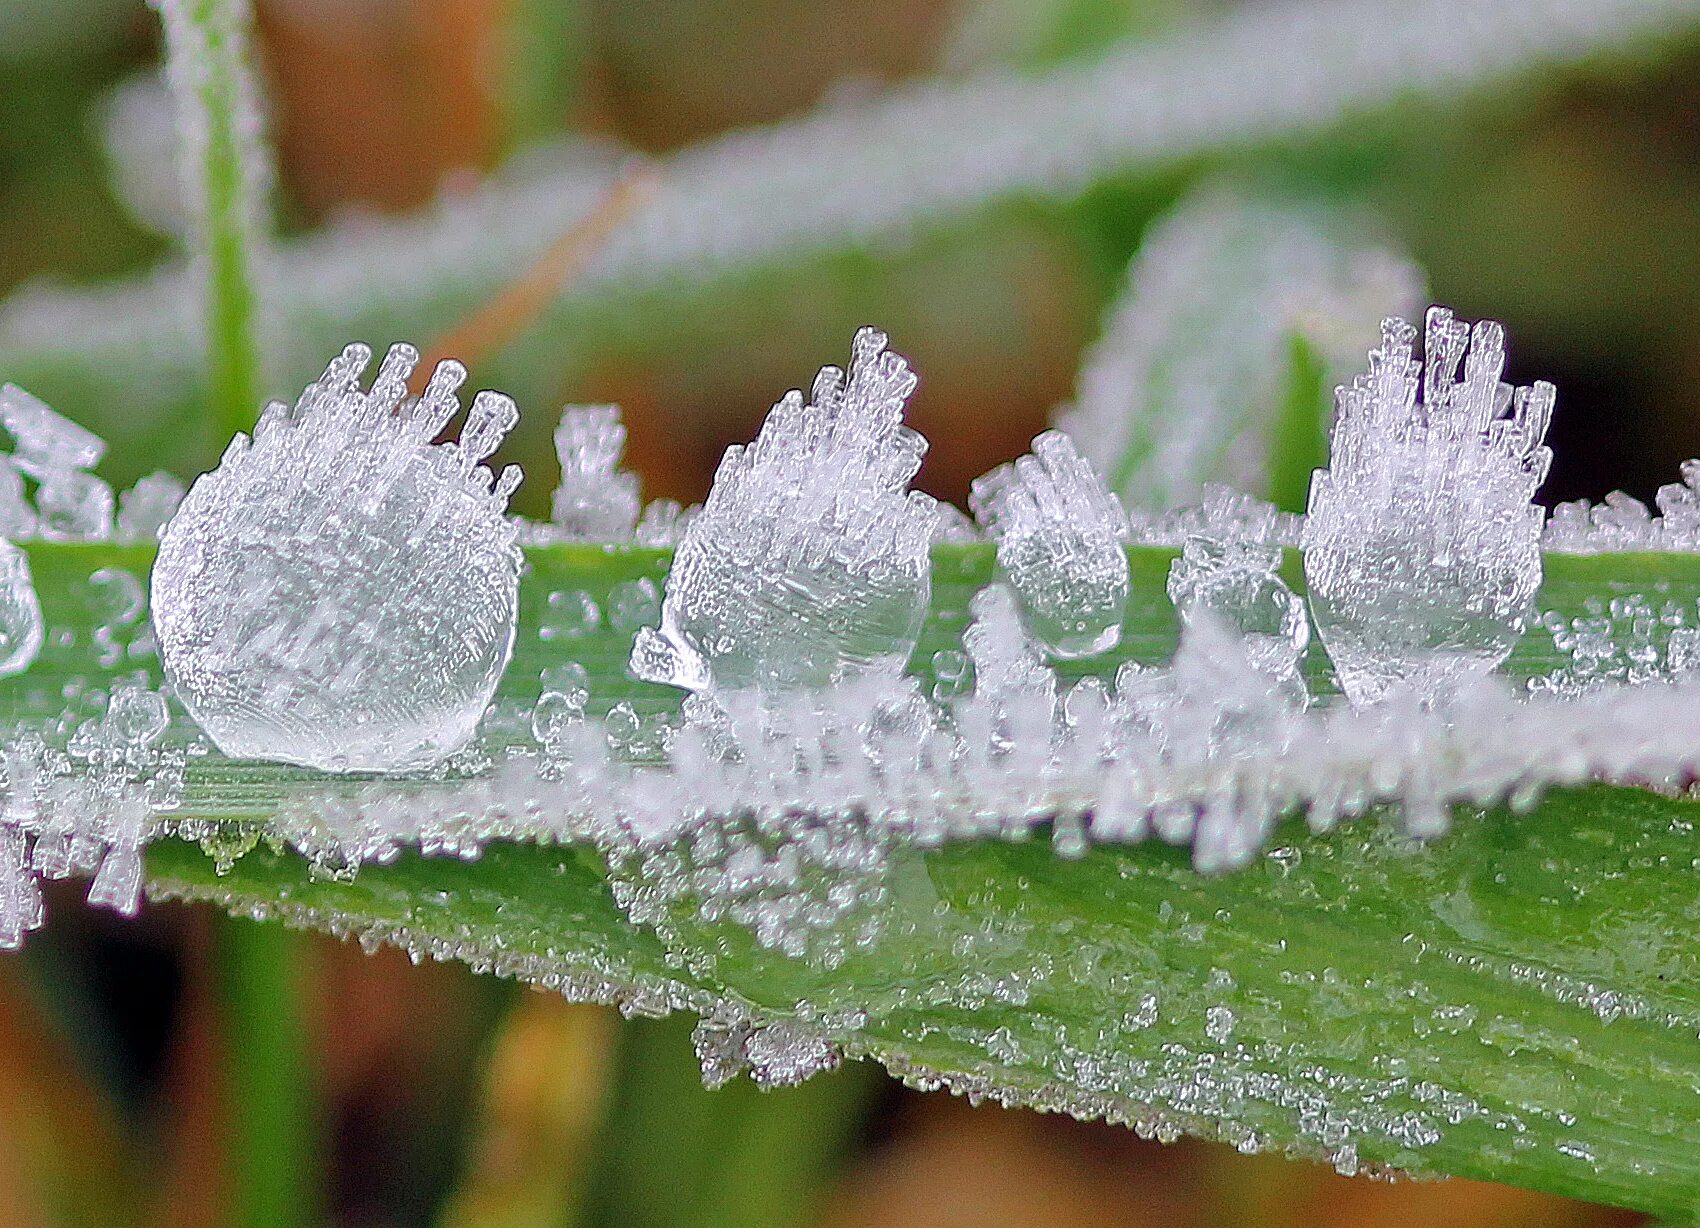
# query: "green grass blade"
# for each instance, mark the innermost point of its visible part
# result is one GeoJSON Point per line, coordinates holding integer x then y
{"type": "Point", "coordinates": [1517, 1002]}
{"type": "Point", "coordinates": [269, 1083]}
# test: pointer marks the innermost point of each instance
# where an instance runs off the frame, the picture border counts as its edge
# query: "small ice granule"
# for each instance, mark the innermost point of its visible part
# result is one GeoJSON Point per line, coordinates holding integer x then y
{"type": "Point", "coordinates": [71, 504]}
{"type": "Point", "coordinates": [809, 563]}
{"type": "Point", "coordinates": [1061, 539]}
{"type": "Point", "coordinates": [1240, 582]}
{"type": "Point", "coordinates": [21, 627]}
{"type": "Point", "coordinates": [340, 592]}
{"type": "Point", "coordinates": [596, 501]}
{"type": "Point", "coordinates": [1422, 546]}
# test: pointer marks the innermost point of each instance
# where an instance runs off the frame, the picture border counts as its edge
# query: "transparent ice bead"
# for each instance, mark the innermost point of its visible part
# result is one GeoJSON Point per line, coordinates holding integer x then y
{"type": "Point", "coordinates": [1421, 544]}
{"type": "Point", "coordinates": [809, 563]}
{"type": "Point", "coordinates": [1061, 538]}
{"type": "Point", "coordinates": [340, 592]}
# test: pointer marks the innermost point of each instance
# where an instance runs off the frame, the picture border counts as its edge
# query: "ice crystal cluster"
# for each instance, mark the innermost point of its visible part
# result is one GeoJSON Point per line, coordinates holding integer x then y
{"type": "Point", "coordinates": [808, 565]}
{"type": "Point", "coordinates": [341, 592]}
{"type": "Point", "coordinates": [1422, 546]}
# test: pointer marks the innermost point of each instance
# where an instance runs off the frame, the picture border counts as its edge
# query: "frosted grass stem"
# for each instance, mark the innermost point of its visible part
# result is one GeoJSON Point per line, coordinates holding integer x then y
{"type": "Point", "coordinates": [227, 178]}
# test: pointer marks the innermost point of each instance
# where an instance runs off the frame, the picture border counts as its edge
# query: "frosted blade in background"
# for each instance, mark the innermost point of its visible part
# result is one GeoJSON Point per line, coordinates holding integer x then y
{"type": "Point", "coordinates": [1422, 546]}
{"type": "Point", "coordinates": [340, 592]}
{"type": "Point", "coordinates": [809, 562]}
{"type": "Point", "coordinates": [1061, 539]}
{"type": "Point", "coordinates": [1187, 384]}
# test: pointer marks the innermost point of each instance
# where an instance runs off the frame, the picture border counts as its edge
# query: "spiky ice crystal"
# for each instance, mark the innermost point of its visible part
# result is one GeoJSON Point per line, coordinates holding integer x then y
{"type": "Point", "coordinates": [1620, 522]}
{"type": "Point", "coordinates": [71, 504]}
{"type": "Point", "coordinates": [1061, 536]}
{"type": "Point", "coordinates": [1422, 546]}
{"type": "Point", "coordinates": [809, 562]}
{"type": "Point", "coordinates": [596, 501]}
{"type": "Point", "coordinates": [340, 592]}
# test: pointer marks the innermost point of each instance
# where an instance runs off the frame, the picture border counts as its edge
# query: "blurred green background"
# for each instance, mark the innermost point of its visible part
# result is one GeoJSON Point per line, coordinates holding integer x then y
{"type": "Point", "coordinates": [1570, 210]}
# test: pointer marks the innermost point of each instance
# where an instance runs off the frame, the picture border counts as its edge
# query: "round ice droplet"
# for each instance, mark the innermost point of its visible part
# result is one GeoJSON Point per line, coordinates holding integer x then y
{"type": "Point", "coordinates": [633, 604]}
{"type": "Point", "coordinates": [568, 614]}
{"type": "Point", "coordinates": [135, 717]}
{"type": "Point", "coordinates": [341, 593]}
{"type": "Point", "coordinates": [570, 680]}
{"type": "Point", "coordinates": [553, 715]}
{"type": "Point", "coordinates": [21, 629]}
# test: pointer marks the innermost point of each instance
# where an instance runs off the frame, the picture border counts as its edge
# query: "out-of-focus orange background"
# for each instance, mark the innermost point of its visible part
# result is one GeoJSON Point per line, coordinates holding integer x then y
{"type": "Point", "coordinates": [1573, 214]}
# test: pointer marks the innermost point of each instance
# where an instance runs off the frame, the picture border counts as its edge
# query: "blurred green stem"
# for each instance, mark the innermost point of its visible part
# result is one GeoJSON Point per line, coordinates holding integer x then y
{"type": "Point", "coordinates": [270, 1132]}
{"type": "Point", "coordinates": [1299, 441]}
{"type": "Point", "coordinates": [226, 178]}
{"type": "Point", "coordinates": [679, 1156]}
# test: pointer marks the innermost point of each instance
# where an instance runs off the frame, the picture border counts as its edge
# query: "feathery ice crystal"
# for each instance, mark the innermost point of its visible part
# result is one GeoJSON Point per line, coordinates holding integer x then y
{"type": "Point", "coordinates": [809, 562]}
{"type": "Point", "coordinates": [1061, 536]}
{"type": "Point", "coordinates": [1422, 545]}
{"type": "Point", "coordinates": [597, 501]}
{"type": "Point", "coordinates": [71, 504]}
{"type": "Point", "coordinates": [340, 592]}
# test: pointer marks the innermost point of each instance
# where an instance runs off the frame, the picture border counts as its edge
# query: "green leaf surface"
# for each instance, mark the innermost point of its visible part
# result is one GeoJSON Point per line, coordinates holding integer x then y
{"type": "Point", "coordinates": [1519, 1001]}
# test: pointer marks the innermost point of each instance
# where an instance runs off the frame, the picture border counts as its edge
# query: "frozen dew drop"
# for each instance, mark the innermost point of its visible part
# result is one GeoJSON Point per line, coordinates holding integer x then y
{"type": "Point", "coordinates": [569, 614]}
{"type": "Point", "coordinates": [1061, 538]}
{"type": "Point", "coordinates": [633, 604]}
{"type": "Point", "coordinates": [1240, 583]}
{"type": "Point", "coordinates": [21, 627]}
{"type": "Point", "coordinates": [809, 562]}
{"type": "Point", "coordinates": [1422, 545]}
{"type": "Point", "coordinates": [340, 592]}
{"type": "Point", "coordinates": [596, 500]}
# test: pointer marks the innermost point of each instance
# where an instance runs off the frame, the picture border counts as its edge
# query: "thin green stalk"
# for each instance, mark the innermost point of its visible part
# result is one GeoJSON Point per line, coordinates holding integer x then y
{"type": "Point", "coordinates": [226, 179]}
{"type": "Point", "coordinates": [1299, 439]}
{"type": "Point", "coordinates": [271, 1138]}
{"type": "Point", "coordinates": [679, 1156]}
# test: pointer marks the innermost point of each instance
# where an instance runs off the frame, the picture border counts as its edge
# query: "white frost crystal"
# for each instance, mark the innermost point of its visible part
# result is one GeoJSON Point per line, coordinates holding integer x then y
{"type": "Point", "coordinates": [596, 500]}
{"type": "Point", "coordinates": [146, 507]}
{"type": "Point", "coordinates": [1422, 548]}
{"type": "Point", "coordinates": [809, 562]}
{"type": "Point", "coordinates": [20, 612]}
{"type": "Point", "coordinates": [1240, 583]}
{"type": "Point", "coordinates": [71, 503]}
{"type": "Point", "coordinates": [1061, 536]}
{"type": "Point", "coordinates": [341, 592]}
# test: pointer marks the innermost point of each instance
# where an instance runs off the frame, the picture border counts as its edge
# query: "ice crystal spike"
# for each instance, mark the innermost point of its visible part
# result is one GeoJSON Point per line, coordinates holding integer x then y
{"type": "Point", "coordinates": [1008, 668]}
{"type": "Point", "coordinates": [71, 504]}
{"type": "Point", "coordinates": [21, 626]}
{"type": "Point", "coordinates": [1422, 546]}
{"type": "Point", "coordinates": [596, 501]}
{"type": "Point", "coordinates": [1061, 536]}
{"type": "Point", "coordinates": [340, 592]}
{"type": "Point", "coordinates": [1240, 584]}
{"type": "Point", "coordinates": [809, 562]}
